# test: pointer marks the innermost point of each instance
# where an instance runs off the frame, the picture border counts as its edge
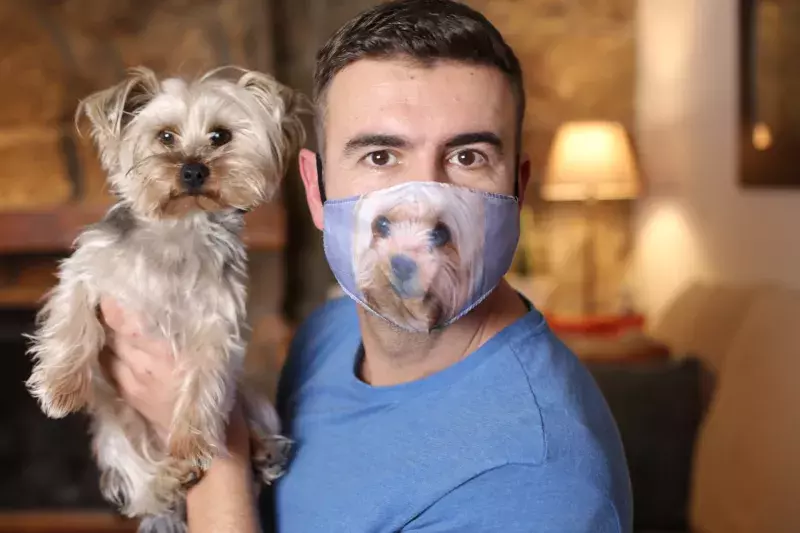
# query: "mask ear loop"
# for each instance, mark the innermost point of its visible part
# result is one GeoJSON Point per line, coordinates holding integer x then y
{"type": "Point", "coordinates": [320, 182]}
{"type": "Point", "coordinates": [516, 178]}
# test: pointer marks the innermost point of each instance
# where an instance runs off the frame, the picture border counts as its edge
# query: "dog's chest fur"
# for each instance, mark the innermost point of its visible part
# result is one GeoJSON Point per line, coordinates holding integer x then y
{"type": "Point", "coordinates": [178, 273]}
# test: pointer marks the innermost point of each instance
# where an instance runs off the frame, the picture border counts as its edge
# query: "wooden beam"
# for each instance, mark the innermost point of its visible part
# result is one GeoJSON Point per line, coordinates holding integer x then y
{"type": "Point", "coordinates": [53, 231]}
{"type": "Point", "coordinates": [64, 522]}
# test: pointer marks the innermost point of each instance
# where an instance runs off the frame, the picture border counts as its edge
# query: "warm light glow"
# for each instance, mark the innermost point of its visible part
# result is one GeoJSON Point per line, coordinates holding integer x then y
{"type": "Point", "coordinates": [591, 160]}
{"type": "Point", "coordinates": [669, 253]}
{"type": "Point", "coordinates": [762, 136]}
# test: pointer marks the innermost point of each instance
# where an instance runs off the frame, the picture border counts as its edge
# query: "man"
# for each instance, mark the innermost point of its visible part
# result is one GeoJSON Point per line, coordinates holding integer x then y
{"type": "Point", "coordinates": [485, 422]}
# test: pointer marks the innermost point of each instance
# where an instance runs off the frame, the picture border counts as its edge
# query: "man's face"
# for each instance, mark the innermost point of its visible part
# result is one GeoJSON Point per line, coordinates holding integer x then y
{"type": "Point", "coordinates": [394, 121]}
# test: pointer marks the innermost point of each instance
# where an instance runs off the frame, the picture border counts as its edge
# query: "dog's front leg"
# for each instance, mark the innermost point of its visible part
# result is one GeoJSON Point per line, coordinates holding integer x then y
{"type": "Point", "coordinates": [67, 341]}
{"type": "Point", "coordinates": [205, 397]}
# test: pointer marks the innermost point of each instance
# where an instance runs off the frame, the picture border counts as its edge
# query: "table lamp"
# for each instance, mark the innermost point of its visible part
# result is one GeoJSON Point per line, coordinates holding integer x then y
{"type": "Point", "coordinates": [589, 162]}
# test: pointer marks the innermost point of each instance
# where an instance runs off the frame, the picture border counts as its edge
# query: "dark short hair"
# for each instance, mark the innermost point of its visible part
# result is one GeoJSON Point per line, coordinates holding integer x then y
{"type": "Point", "coordinates": [424, 31]}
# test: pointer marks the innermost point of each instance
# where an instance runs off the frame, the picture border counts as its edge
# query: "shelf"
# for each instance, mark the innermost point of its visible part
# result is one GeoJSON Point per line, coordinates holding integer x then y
{"type": "Point", "coordinates": [53, 231]}
{"type": "Point", "coordinates": [64, 522]}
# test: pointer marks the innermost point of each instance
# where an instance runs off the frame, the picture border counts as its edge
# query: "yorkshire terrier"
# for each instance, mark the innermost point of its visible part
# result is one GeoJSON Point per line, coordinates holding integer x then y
{"type": "Point", "coordinates": [186, 160]}
{"type": "Point", "coordinates": [413, 261]}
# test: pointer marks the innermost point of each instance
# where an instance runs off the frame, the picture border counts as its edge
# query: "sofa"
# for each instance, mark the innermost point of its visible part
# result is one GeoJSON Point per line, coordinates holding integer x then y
{"type": "Point", "coordinates": [712, 435]}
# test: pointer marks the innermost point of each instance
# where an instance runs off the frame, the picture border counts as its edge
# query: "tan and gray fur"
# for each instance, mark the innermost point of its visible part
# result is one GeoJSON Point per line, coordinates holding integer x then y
{"type": "Point", "coordinates": [415, 261]}
{"type": "Point", "coordinates": [170, 251]}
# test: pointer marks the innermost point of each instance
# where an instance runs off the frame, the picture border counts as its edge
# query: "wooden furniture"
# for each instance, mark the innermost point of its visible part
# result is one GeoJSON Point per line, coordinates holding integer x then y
{"type": "Point", "coordinates": [64, 522]}
{"type": "Point", "coordinates": [599, 325]}
{"type": "Point", "coordinates": [618, 339]}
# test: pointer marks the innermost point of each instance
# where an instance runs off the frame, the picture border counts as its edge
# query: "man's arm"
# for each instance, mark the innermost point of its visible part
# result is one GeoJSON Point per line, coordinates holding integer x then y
{"type": "Point", "coordinates": [223, 500]}
{"type": "Point", "coordinates": [516, 499]}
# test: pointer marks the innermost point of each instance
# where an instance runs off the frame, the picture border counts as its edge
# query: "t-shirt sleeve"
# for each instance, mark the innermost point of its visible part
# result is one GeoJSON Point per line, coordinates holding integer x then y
{"type": "Point", "coordinates": [515, 499]}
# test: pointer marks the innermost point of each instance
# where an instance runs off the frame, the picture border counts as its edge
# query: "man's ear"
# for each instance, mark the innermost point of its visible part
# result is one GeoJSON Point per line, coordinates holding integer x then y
{"type": "Point", "coordinates": [110, 110]}
{"type": "Point", "coordinates": [524, 176]}
{"type": "Point", "coordinates": [308, 171]}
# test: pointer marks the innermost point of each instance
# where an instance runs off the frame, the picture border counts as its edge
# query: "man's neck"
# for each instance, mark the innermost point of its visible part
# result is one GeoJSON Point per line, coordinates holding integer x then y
{"type": "Point", "coordinates": [393, 356]}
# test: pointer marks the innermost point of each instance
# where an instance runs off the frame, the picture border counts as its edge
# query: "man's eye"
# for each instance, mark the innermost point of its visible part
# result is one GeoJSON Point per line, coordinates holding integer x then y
{"type": "Point", "coordinates": [380, 158]}
{"type": "Point", "coordinates": [467, 159]}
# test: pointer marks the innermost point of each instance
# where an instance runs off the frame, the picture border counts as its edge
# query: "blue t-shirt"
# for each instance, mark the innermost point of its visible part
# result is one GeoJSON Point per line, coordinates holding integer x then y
{"type": "Point", "coordinates": [514, 438]}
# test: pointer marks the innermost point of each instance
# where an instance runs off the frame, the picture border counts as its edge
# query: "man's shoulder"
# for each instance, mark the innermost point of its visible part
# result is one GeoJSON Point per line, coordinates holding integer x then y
{"type": "Point", "coordinates": [582, 440]}
{"type": "Point", "coordinates": [331, 324]}
{"type": "Point", "coordinates": [319, 337]}
{"type": "Point", "coordinates": [330, 317]}
{"type": "Point", "coordinates": [565, 392]}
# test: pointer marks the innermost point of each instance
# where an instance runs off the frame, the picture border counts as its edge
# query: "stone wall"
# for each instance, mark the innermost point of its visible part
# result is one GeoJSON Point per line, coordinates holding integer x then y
{"type": "Point", "coordinates": [55, 53]}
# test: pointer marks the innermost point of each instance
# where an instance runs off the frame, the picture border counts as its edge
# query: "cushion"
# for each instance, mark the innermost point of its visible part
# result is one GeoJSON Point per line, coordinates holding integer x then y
{"type": "Point", "coordinates": [747, 467]}
{"type": "Point", "coordinates": [701, 320]}
{"type": "Point", "coordinates": [657, 408]}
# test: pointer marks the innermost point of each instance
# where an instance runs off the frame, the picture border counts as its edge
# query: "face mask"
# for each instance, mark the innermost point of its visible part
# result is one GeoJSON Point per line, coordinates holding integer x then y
{"type": "Point", "coordinates": [421, 255]}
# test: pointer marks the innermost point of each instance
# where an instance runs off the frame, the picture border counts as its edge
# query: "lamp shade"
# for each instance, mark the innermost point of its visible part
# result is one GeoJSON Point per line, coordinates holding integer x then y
{"type": "Point", "coordinates": [591, 160]}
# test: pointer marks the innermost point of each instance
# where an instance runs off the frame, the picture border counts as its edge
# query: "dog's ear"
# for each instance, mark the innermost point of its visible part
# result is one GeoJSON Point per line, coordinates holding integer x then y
{"type": "Point", "coordinates": [110, 110]}
{"type": "Point", "coordinates": [286, 107]}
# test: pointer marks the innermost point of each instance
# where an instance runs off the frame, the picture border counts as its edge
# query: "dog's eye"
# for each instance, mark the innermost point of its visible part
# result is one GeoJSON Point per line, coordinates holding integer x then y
{"type": "Point", "coordinates": [166, 137]}
{"type": "Point", "coordinates": [380, 227]}
{"type": "Point", "coordinates": [220, 136]}
{"type": "Point", "coordinates": [440, 235]}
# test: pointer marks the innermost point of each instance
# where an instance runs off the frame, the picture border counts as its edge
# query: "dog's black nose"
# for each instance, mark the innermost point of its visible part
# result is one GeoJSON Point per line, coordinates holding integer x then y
{"type": "Point", "coordinates": [194, 176]}
{"type": "Point", "coordinates": [403, 267]}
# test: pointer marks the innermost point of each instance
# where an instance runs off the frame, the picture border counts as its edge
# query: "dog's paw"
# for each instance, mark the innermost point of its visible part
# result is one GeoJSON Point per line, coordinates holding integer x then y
{"type": "Point", "coordinates": [270, 456]}
{"type": "Point", "coordinates": [165, 523]}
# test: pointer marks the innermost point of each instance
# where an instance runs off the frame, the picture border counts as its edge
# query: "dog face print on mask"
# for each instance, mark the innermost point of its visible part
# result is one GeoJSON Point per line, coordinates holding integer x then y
{"type": "Point", "coordinates": [421, 254]}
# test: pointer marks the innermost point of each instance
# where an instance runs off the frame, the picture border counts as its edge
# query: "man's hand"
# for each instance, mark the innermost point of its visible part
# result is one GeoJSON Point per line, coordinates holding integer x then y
{"type": "Point", "coordinates": [144, 372]}
{"type": "Point", "coordinates": [142, 368]}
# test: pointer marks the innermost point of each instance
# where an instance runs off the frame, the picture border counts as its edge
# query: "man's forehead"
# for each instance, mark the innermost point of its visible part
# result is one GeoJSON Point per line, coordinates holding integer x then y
{"type": "Point", "coordinates": [385, 92]}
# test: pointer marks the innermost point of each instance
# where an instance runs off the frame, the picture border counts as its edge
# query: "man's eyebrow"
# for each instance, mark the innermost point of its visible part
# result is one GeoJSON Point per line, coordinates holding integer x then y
{"type": "Point", "coordinates": [375, 140]}
{"type": "Point", "coordinates": [478, 137]}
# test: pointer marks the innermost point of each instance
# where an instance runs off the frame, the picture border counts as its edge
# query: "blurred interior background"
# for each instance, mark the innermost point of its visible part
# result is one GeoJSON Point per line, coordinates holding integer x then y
{"type": "Point", "coordinates": [659, 232]}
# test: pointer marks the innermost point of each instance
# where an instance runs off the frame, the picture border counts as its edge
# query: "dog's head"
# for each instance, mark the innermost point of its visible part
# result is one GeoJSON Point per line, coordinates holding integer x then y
{"type": "Point", "coordinates": [172, 147]}
{"type": "Point", "coordinates": [416, 262]}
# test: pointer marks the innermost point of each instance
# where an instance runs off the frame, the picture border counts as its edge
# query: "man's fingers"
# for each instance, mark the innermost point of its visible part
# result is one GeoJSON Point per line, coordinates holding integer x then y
{"type": "Point", "coordinates": [142, 364]}
{"type": "Point", "coordinates": [140, 351]}
{"type": "Point", "coordinates": [128, 383]}
{"type": "Point", "coordinates": [122, 322]}
{"type": "Point", "coordinates": [159, 349]}
{"type": "Point", "coordinates": [159, 353]}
